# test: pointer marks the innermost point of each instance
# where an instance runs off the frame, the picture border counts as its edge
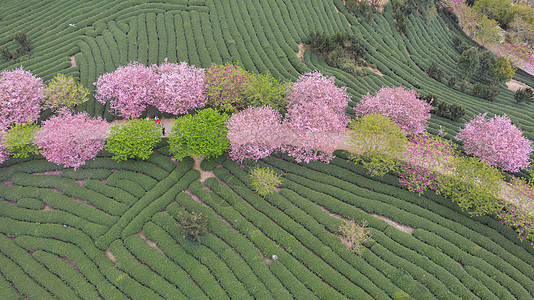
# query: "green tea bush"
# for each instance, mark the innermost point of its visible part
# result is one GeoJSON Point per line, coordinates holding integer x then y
{"type": "Point", "coordinates": [264, 180]}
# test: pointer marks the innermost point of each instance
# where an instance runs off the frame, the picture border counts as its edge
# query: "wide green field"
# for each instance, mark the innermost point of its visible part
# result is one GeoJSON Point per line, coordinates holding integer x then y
{"type": "Point", "coordinates": [110, 230]}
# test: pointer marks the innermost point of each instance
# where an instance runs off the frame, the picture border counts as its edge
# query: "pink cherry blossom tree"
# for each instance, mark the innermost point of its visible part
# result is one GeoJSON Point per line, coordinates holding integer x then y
{"type": "Point", "coordinates": [180, 87]}
{"type": "Point", "coordinates": [315, 117]}
{"type": "Point", "coordinates": [70, 140]}
{"type": "Point", "coordinates": [254, 133]}
{"type": "Point", "coordinates": [400, 105]}
{"type": "Point", "coordinates": [129, 89]}
{"type": "Point", "coordinates": [21, 96]}
{"type": "Point", "coordinates": [496, 141]}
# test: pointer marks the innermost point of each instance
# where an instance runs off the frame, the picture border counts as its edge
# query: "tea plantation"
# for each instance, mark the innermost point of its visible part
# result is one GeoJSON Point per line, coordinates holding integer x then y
{"type": "Point", "coordinates": [110, 230]}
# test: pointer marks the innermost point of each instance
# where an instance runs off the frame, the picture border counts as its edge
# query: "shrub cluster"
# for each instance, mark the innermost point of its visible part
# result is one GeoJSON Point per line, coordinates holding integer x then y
{"type": "Point", "coordinates": [264, 180]}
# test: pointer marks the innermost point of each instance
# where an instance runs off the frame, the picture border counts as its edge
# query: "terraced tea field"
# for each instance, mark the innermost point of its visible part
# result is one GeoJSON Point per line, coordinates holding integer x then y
{"type": "Point", "coordinates": [110, 230]}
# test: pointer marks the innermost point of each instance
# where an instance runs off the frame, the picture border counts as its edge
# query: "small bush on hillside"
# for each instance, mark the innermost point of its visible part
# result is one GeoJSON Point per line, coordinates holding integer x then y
{"type": "Point", "coordinates": [476, 89]}
{"type": "Point", "coordinates": [6, 53]}
{"type": "Point", "coordinates": [463, 85]}
{"type": "Point", "coordinates": [490, 92]}
{"type": "Point", "coordinates": [523, 95]}
{"type": "Point", "coordinates": [354, 235]}
{"type": "Point", "coordinates": [456, 111]}
{"type": "Point", "coordinates": [451, 82]}
{"type": "Point", "coordinates": [193, 225]}
{"type": "Point", "coordinates": [434, 71]}
{"type": "Point", "coordinates": [502, 70]}
{"type": "Point", "coordinates": [22, 39]}
{"type": "Point", "coordinates": [265, 181]}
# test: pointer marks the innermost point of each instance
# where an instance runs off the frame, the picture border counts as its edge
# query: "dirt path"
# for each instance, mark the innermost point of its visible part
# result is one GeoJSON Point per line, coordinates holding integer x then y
{"type": "Point", "coordinates": [514, 85]}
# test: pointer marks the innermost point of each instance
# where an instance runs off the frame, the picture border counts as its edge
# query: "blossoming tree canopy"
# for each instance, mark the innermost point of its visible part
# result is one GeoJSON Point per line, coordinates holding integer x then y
{"type": "Point", "coordinates": [315, 103]}
{"type": "Point", "coordinates": [180, 87]}
{"type": "Point", "coordinates": [254, 133]}
{"type": "Point", "coordinates": [129, 89]}
{"type": "Point", "coordinates": [496, 141]}
{"type": "Point", "coordinates": [70, 140]}
{"type": "Point", "coordinates": [21, 96]}
{"type": "Point", "coordinates": [400, 105]}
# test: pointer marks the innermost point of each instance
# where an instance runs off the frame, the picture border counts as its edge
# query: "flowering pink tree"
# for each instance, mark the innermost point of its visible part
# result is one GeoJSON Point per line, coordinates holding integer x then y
{"type": "Point", "coordinates": [425, 158]}
{"type": "Point", "coordinates": [315, 117]}
{"type": "Point", "coordinates": [400, 105]}
{"type": "Point", "coordinates": [496, 141]}
{"type": "Point", "coordinates": [70, 140]}
{"type": "Point", "coordinates": [129, 89]}
{"type": "Point", "coordinates": [21, 96]}
{"type": "Point", "coordinates": [180, 88]}
{"type": "Point", "coordinates": [254, 133]}
{"type": "Point", "coordinates": [518, 211]}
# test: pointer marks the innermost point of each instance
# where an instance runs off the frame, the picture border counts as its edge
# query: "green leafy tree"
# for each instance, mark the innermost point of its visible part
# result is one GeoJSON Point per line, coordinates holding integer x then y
{"type": "Point", "coordinates": [378, 143]}
{"type": "Point", "coordinates": [473, 185]}
{"type": "Point", "coordinates": [62, 91]}
{"type": "Point", "coordinates": [19, 140]}
{"type": "Point", "coordinates": [202, 134]}
{"type": "Point", "coordinates": [135, 138]}
{"type": "Point", "coordinates": [522, 95]}
{"type": "Point", "coordinates": [263, 90]}
{"type": "Point", "coordinates": [469, 63]}
{"type": "Point", "coordinates": [193, 225]}
{"type": "Point", "coordinates": [488, 31]}
{"type": "Point", "coordinates": [501, 69]}
{"type": "Point", "coordinates": [264, 180]}
{"type": "Point", "coordinates": [498, 10]}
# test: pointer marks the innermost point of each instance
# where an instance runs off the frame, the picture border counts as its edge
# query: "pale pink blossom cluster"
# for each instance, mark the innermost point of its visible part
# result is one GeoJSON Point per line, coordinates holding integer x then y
{"type": "Point", "coordinates": [129, 89]}
{"type": "Point", "coordinates": [310, 130]}
{"type": "Point", "coordinates": [21, 96]}
{"type": "Point", "coordinates": [180, 87]}
{"type": "Point", "coordinates": [172, 88]}
{"type": "Point", "coordinates": [496, 141]}
{"type": "Point", "coordinates": [402, 107]}
{"type": "Point", "coordinates": [254, 133]}
{"type": "Point", "coordinates": [70, 140]}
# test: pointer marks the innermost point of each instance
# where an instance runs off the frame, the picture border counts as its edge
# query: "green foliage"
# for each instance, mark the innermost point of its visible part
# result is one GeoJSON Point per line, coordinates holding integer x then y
{"type": "Point", "coordinates": [477, 88]}
{"type": "Point", "coordinates": [464, 84]}
{"type": "Point", "coordinates": [501, 69]}
{"type": "Point", "coordinates": [402, 9]}
{"type": "Point", "coordinates": [21, 38]}
{"type": "Point", "coordinates": [135, 138]}
{"type": "Point", "coordinates": [6, 53]}
{"type": "Point", "coordinates": [202, 134]}
{"type": "Point", "coordinates": [355, 235]}
{"type": "Point", "coordinates": [451, 82]}
{"type": "Point", "coordinates": [488, 31]}
{"type": "Point", "coordinates": [456, 111]}
{"type": "Point", "coordinates": [469, 63]}
{"type": "Point", "coordinates": [498, 10]}
{"type": "Point", "coordinates": [523, 95]}
{"type": "Point", "coordinates": [19, 140]}
{"type": "Point", "coordinates": [379, 143]}
{"type": "Point", "coordinates": [263, 90]}
{"type": "Point", "coordinates": [265, 180]}
{"type": "Point", "coordinates": [434, 71]}
{"type": "Point", "coordinates": [473, 185]}
{"type": "Point", "coordinates": [193, 225]}
{"type": "Point", "coordinates": [490, 92]}
{"type": "Point", "coordinates": [62, 91]}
